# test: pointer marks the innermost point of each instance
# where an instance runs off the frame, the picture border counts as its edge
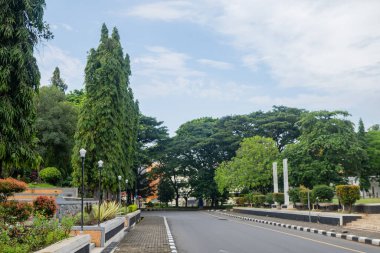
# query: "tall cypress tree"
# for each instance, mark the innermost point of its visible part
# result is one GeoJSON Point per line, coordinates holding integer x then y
{"type": "Point", "coordinates": [57, 81]}
{"type": "Point", "coordinates": [105, 126]}
{"type": "Point", "coordinates": [21, 28]}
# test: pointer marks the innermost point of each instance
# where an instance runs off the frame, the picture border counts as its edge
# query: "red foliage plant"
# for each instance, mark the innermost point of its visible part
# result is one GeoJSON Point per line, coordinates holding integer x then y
{"type": "Point", "coordinates": [9, 186]}
{"type": "Point", "coordinates": [13, 211]}
{"type": "Point", "coordinates": [45, 206]}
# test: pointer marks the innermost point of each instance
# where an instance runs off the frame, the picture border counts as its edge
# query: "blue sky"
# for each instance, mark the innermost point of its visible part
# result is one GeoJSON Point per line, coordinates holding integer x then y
{"type": "Point", "coordinates": [214, 58]}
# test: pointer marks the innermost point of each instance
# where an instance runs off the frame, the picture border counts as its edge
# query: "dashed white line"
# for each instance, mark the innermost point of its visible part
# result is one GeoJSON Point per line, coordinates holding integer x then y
{"type": "Point", "coordinates": [172, 246]}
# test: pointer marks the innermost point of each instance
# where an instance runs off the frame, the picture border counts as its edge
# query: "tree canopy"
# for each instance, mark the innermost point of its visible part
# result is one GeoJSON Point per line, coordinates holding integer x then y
{"type": "Point", "coordinates": [22, 26]}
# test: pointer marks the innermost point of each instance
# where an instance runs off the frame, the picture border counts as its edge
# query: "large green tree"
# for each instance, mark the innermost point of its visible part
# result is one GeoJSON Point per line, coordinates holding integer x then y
{"type": "Point", "coordinates": [251, 168]}
{"type": "Point", "coordinates": [108, 120]}
{"type": "Point", "coordinates": [327, 151]}
{"type": "Point", "coordinates": [21, 28]}
{"type": "Point", "coordinates": [56, 123]}
{"type": "Point", "coordinates": [373, 151]}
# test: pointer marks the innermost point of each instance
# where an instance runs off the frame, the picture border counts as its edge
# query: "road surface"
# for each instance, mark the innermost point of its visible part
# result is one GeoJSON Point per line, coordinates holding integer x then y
{"type": "Point", "coordinates": [210, 232]}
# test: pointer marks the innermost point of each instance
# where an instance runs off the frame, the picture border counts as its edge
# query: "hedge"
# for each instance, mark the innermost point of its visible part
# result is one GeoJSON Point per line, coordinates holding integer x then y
{"type": "Point", "coordinates": [324, 193]}
{"type": "Point", "coordinates": [278, 197]}
{"type": "Point", "coordinates": [348, 194]}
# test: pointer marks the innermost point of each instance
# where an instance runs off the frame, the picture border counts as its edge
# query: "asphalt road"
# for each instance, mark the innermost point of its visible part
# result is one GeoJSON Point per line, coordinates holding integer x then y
{"type": "Point", "coordinates": [208, 232]}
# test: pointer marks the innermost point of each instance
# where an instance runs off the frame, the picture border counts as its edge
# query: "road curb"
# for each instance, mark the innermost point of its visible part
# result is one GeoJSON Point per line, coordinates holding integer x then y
{"type": "Point", "coordinates": [349, 237]}
{"type": "Point", "coordinates": [172, 246]}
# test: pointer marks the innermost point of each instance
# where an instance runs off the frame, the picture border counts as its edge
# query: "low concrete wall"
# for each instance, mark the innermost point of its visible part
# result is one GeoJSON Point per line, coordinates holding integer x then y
{"type": "Point", "coordinates": [317, 217]}
{"type": "Point", "coordinates": [103, 234]}
{"type": "Point", "coordinates": [132, 218]}
{"type": "Point", "coordinates": [366, 208]}
{"type": "Point", "coordinates": [76, 244]}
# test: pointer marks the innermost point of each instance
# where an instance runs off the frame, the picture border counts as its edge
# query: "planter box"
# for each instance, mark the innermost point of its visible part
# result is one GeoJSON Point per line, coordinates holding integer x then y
{"type": "Point", "coordinates": [102, 235]}
{"type": "Point", "coordinates": [132, 218]}
{"type": "Point", "coordinates": [76, 244]}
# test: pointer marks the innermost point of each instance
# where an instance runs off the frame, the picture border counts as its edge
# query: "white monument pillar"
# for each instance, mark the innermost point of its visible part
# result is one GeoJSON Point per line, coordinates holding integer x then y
{"type": "Point", "coordinates": [275, 178]}
{"type": "Point", "coordinates": [286, 183]}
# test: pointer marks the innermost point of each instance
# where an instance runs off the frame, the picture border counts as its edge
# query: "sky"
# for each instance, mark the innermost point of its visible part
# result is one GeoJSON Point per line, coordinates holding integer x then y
{"type": "Point", "coordinates": [199, 58]}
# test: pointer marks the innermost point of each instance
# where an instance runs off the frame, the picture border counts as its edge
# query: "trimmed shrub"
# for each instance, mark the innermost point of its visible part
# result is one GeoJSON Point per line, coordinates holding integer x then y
{"type": "Point", "coordinates": [108, 210]}
{"type": "Point", "coordinates": [45, 206]}
{"type": "Point", "coordinates": [50, 175]}
{"type": "Point", "coordinates": [149, 204]}
{"type": "Point", "coordinates": [269, 198]}
{"type": "Point", "coordinates": [12, 211]}
{"type": "Point", "coordinates": [9, 186]}
{"type": "Point", "coordinates": [294, 195]}
{"type": "Point", "coordinates": [258, 200]}
{"type": "Point", "coordinates": [324, 193]}
{"type": "Point", "coordinates": [303, 194]}
{"type": "Point", "coordinates": [240, 201]}
{"type": "Point", "coordinates": [132, 208]}
{"type": "Point", "coordinates": [278, 197]}
{"type": "Point", "coordinates": [248, 198]}
{"type": "Point", "coordinates": [348, 194]}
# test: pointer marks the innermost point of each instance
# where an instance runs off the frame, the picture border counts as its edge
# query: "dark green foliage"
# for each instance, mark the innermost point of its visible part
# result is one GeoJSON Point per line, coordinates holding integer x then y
{"type": "Point", "coordinates": [322, 193]}
{"type": "Point", "coordinates": [269, 198]}
{"type": "Point", "coordinates": [22, 26]}
{"type": "Point", "coordinates": [258, 200]}
{"type": "Point", "coordinates": [165, 191]}
{"type": "Point", "coordinates": [303, 193]}
{"type": "Point", "coordinates": [57, 81]}
{"type": "Point", "coordinates": [328, 150]}
{"type": "Point", "coordinates": [294, 195]}
{"type": "Point", "coordinates": [55, 124]}
{"type": "Point", "coordinates": [108, 120]}
{"type": "Point", "coordinates": [12, 212]}
{"type": "Point", "coordinates": [278, 197]}
{"type": "Point", "coordinates": [348, 194]}
{"type": "Point", "coordinates": [50, 175]}
{"type": "Point", "coordinates": [373, 150]}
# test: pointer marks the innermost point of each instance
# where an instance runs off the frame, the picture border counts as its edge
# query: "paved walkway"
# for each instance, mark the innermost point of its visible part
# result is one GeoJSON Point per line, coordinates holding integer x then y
{"type": "Point", "coordinates": [148, 236]}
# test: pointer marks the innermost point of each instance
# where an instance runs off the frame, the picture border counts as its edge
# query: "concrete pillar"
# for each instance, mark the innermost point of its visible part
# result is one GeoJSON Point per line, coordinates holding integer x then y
{"type": "Point", "coordinates": [275, 178]}
{"type": "Point", "coordinates": [286, 183]}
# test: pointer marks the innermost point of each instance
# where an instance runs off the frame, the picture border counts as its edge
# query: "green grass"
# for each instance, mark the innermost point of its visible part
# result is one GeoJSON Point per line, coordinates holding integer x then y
{"type": "Point", "coordinates": [41, 185]}
{"type": "Point", "coordinates": [362, 201]}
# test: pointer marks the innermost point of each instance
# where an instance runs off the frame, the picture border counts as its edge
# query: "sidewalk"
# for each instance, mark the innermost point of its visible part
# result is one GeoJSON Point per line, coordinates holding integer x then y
{"type": "Point", "coordinates": [148, 236]}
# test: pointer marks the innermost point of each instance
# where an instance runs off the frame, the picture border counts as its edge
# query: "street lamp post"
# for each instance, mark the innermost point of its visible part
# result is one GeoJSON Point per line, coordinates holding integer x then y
{"type": "Point", "coordinates": [119, 177]}
{"type": "Point", "coordinates": [126, 192]}
{"type": "Point", "coordinates": [82, 153]}
{"type": "Point", "coordinates": [100, 166]}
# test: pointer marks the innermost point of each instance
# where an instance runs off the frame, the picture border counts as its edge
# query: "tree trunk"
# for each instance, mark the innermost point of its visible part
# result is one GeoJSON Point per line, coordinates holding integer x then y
{"type": "Point", "coordinates": [185, 201]}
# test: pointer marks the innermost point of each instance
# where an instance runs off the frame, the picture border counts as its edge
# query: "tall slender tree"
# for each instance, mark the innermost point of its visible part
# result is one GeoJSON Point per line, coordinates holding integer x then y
{"type": "Point", "coordinates": [21, 28]}
{"type": "Point", "coordinates": [57, 81]}
{"type": "Point", "coordinates": [107, 125]}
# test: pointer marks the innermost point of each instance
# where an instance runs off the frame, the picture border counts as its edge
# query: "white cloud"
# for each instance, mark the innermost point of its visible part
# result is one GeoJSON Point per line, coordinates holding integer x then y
{"type": "Point", "coordinates": [326, 52]}
{"type": "Point", "coordinates": [71, 68]}
{"type": "Point", "coordinates": [66, 27]}
{"type": "Point", "coordinates": [215, 64]}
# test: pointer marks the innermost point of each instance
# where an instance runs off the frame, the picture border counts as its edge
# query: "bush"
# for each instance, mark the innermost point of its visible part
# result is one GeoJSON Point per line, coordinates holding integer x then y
{"type": "Point", "coordinates": [303, 194]}
{"type": "Point", "coordinates": [240, 201]}
{"type": "Point", "coordinates": [45, 206]}
{"type": "Point", "coordinates": [149, 204]}
{"type": "Point", "coordinates": [9, 186]}
{"type": "Point", "coordinates": [258, 200]}
{"type": "Point", "coordinates": [348, 194]}
{"type": "Point", "coordinates": [50, 175]}
{"type": "Point", "coordinates": [323, 193]}
{"type": "Point", "coordinates": [12, 211]}
{"type": "Point", "coordinates": [248, 198]}
{"type": "Point", "coordinates": [294, 195]}
{"type": "Point", "coordinates": [269, 198]}
{"type": "Point", "coordinates": [278, 197]}
{"type": "Point", "coordinates": [108, 210]}
{"type": "Point", "coordinates": [132, 208]}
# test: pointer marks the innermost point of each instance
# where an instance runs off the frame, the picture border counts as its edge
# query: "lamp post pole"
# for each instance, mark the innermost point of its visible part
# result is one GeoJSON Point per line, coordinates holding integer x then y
{"type": "Point", "coordinates": [82, 153]}
{"type": "Point", "coordinates": [100, 166]}
{"type": "Point", "coordinates": [119, 177]}
{"type": "Point", "coordinates": [126, 192]}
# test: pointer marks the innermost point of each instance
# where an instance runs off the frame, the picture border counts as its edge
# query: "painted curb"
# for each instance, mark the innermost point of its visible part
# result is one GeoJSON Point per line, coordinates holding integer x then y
{"type": "Point", "coordinates": [172, 246]}
{"type": "Point", "coordinates": [355, 238]}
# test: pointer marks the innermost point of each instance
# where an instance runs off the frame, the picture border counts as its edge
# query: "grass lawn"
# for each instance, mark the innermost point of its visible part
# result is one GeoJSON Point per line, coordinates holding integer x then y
{"type": "Point", "coordinates": [41, 185]}
{"type": "Point", "coordinates": [362, 201]}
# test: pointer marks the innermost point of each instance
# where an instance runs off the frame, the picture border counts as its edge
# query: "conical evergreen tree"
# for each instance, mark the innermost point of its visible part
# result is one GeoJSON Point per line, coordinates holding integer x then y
{"type": "Point", "coordinates": [57, 81]}
{"type": "Point", "coordinates": [21, 28]}
{"type": "Point", "coordinates": [105, 125]}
